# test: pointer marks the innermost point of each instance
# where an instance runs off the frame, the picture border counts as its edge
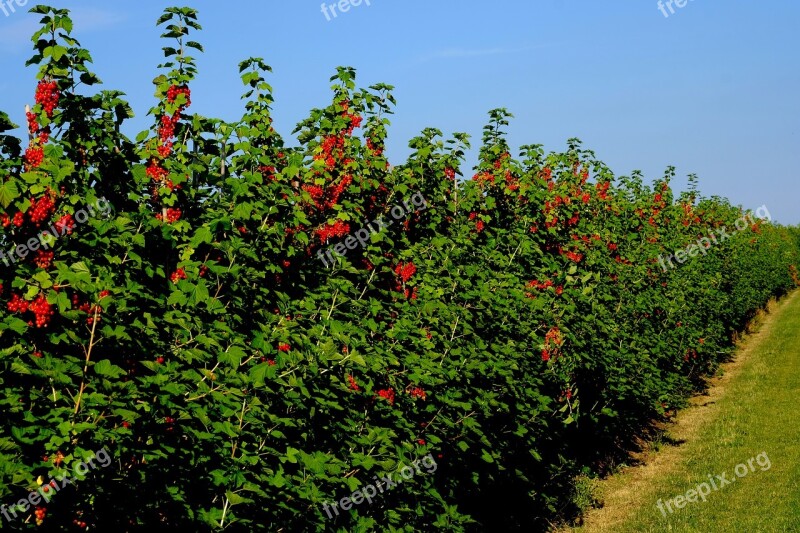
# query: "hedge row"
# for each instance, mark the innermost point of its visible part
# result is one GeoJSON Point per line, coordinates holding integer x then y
{"type": "Point", "coordinates": [502, 335]}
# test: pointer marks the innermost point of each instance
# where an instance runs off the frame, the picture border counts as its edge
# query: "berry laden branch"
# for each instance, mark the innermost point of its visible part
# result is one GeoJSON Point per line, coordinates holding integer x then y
{"type": "Point", "coordinates": [88, 351]}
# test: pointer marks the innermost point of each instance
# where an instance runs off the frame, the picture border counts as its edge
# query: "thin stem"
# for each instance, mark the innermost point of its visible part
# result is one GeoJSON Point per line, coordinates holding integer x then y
{"type": "Point", "coordinates": [86, 364]}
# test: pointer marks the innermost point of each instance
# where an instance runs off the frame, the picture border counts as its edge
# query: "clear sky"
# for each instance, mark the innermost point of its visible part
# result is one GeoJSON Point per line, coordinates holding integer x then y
{"type": "Point", "coordinates": [713, 88]}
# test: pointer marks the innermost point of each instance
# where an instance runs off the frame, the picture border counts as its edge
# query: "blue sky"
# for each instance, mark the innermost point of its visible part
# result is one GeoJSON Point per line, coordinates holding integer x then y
{"type": "Point", "coordinates": [712, 89]}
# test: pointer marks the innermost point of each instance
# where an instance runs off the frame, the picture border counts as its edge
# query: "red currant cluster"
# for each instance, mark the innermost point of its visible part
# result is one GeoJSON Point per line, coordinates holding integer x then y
{"type": "Point", "coordinates": [166, 131]}
{"type": "Point", "coordinates": [337, 229]}
{"type": "Point", "coordinates": [316, 192]}
{"type": "Point", "coordinates": [170, 422]}
{"type": "Point", "coordinates": [40, 513]}
{"type": "Point", "coordinates": [92, 310]}
{"type": "Point", "coordinates": [376, 150]}
{"type": "Point", "coordinates": [268, 172]}
{"type": "Point", "coordinates": [41, 210]}
{"type": "Point", "coordinates": [336, 191]}
{"type": "Point", "coordinates": [405, 271]}
{"type": "Point", "coordinates": [18, 220]}
{"type": "Point", "coordinates": [42, 310]}
{"type": "Point", "coordinates": [355, 122]}
{"type": "Point", "coordinates": [283, 347]}
{"type": "Point", "coordinates": [34, 155]}
{"type": "Point", "coordinates": [17, 304]}
{"type": "Point", "coordinates": [539, 285]}
{"type": "Point", "coordinates": [387, 394]}
{"type": "Point", "coordinates": [552, 344]}
{"type": "Point", "coordinates": [173, 215]}
{"type": "Point", "coordinates": [44, 259]}
{"type": "Point", "coordinates": [156, 171]}
{"type": "Point", "coordinates": [33, 125]}
{"type": "Point", "coordinates": [178, 275]}
{"type": "Point", "coordinates": [47, 95]}
{"type": "Point", "coordinates": [332, 148]}
{"type": "Point", "coordinates": [165, 149]}
{"type": "Point", "coordinates": [87, 308]}
{"type": "Point", "coordinates": [174, 91]}
{"type": "Point", "coordinates": [417, 392]}
{"type": "Point", "coordinates": [65, 223]}
{"type": "Point", "coordinates": [76, 303]}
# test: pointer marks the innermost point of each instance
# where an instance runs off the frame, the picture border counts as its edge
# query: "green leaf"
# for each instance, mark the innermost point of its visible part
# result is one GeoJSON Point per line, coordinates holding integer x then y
{"type": "Point", "coordinates": [235, 499]}
{"type": "Point", "coordinates": [107, 369]}
{"type": "Point", "coordinates": [8, 193]}
{"type": "Point", "coordinates": [201, 236]}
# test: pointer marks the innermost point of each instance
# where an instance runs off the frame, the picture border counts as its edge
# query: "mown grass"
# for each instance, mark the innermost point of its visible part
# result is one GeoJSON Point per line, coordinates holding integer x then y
{"type": "Point", "coordinates": [754, 411]}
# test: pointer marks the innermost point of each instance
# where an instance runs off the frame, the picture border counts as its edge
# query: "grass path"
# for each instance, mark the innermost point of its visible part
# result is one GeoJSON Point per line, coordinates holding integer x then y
{"type": "Point", "coordinates": [750, 415]}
